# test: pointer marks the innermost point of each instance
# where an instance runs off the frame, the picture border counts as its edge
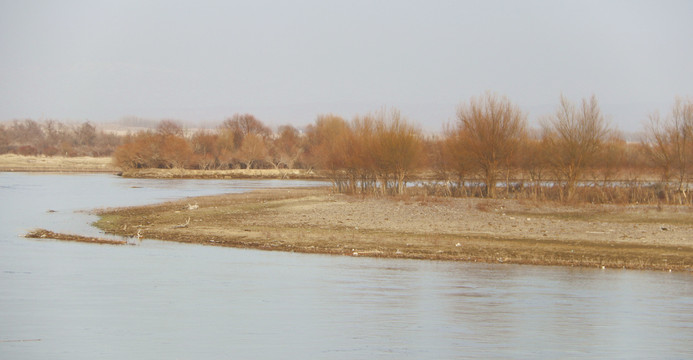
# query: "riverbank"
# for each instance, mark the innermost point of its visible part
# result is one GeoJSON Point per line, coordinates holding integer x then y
{"type": "Point", "coordinates": [499, 231]}
{"type": "Point", "coordinates": [86, 164]}
{"type": "Point", "coordinates": [81, 164]}
{"type": "Point", "coordinates": [293, 174]}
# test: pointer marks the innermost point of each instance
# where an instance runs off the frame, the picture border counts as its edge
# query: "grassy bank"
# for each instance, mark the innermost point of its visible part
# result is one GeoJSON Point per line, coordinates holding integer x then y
{"type": "Point", "coordinates": [505, 231]}
{"type": "Point", "coordinates": [21, 163]}
{"type": "Point", "coordinates": [222, 174]}
{"type": "Point", "coordinates": [12, 162]}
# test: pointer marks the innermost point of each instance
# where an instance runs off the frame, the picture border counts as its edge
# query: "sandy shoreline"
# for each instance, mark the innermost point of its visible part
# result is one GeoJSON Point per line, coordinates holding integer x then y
{"type": "Point", "coordinates": [505, 231]}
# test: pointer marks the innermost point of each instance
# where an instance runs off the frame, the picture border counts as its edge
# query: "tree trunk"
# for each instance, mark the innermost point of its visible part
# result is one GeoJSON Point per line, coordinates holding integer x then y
{"type": "Point", "coordinates": [490, 186]}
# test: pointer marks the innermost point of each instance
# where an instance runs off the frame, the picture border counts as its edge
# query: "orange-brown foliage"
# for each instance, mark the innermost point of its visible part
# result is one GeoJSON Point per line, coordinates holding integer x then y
{"type": "Point", "coordinates": [490, 131]}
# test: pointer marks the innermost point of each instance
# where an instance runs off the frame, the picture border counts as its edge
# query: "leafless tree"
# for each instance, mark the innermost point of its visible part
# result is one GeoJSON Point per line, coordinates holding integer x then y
{"type": "Point", "coordinates": [286, 148]}
{"type": "Point", "coordinates": [490, 129]}
{"type": "Point", "coordinates": [533, 161]}
{"type": "Point", "coordinates": [574, 136]}
{"type": "Point", "coordinates": [169, 127]}
{"type": "Point", "coordinates": [205, 147]}
{"type": "Point", "coordinates": [328, 147]}
{"type": "Point", "coordinates": [242, 125]}
{"type": "Point", "coordinates": [85, 134]}
{"type": "Point", "coordinates": [682, 120]}
{"type": "Point", "coordinates": [657, 145]}
{"type": "Point", "coordinates": [669, 144]}
{"type": "Point", "coordinates": [4, 139]}
{"type": "Point", "coordinates": [397, 148]}
{"type": "Point", "coordinates": [252, 150]}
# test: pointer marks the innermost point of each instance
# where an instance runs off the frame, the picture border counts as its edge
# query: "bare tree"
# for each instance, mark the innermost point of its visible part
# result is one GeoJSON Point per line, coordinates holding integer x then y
{"type": "Point", "coordinates": [242, 125]}
{"type": "Point", "coordinates": [174, 151]}
{"type": "Point", "coordinates": [4, 139]}
{"type": "Point", "coordinates": [252, 150]}
{"type": "Point", "coordinates": [533, 160]}
{"type": "Point", "coordinates": [56, 135]}
{"type": "Point", "coordinates": [452, 163]}
{"type": "Point", "coordinates": [85, 134]}
{"type": "Point", "coordinates": [574, 137]}
{"type": "Point", "coordinates": [137, 151]}
{"type": "Point", "coordinates": [287, 146]}
{"type": "Point", "coordinates": [205, 148]}
{"type": "Point", "coordinates": [397, 148]}
{"type": "Point", "coordinates": [682, 120]}
{"type": "Point", "coordinates": [328, 147]}
{"type": "Point", "coordinates": [26, 137]}
{"type": "Point", "coordinates": [669, 144]}
{"type": "Point", "coordinates": [490, 128]}
{"type": "Point", "coordinates": [657, 145]}
{"type": "Point", "coordinates": [169, 127]}
{"type": "Point", "coordinates": [225, 147]}
{"type": "Point", "coordinates": [362, 162]}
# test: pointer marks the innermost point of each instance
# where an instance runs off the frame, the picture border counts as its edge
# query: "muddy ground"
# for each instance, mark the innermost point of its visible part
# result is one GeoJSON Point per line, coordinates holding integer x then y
{"type": "Point", "coordinates": [502, 231]}
{"type": "Point", "coordinates": [47, 234]}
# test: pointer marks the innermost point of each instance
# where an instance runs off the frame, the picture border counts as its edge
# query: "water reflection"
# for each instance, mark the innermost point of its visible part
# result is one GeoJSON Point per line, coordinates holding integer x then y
{"type": "Point", "coordinates": [169, 300]}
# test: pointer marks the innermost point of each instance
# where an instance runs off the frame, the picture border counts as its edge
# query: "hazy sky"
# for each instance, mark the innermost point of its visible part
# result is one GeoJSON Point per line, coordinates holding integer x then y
{"type": "Point", "coordinates": [288, 61]}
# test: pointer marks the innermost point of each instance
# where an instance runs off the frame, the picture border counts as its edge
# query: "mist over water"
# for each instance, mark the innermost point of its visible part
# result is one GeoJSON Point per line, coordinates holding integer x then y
{"type": "Point", "coordinates": [63, 300]}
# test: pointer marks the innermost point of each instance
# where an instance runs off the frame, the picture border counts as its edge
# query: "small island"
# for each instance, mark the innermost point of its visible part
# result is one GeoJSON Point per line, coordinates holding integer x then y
{"type": "Point", "coordinates": [318, 220]}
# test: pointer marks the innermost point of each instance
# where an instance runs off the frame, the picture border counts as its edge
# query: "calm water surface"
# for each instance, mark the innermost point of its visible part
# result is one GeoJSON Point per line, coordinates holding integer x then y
{"type": "Point", "coordinates": [62, 300]}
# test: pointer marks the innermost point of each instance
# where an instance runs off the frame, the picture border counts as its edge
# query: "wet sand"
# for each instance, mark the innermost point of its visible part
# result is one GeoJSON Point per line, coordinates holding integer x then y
{"type": "Point", "coordinates": [47, 234]}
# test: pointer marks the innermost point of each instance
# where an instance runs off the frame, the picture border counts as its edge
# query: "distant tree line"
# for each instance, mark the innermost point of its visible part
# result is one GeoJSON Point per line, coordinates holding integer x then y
{"type": "Point", "coordinates": [489, 151]}
{"type": "Point", "coordinates": [241, 141]}
{"type": "Point", "coordinates": [51, 137]}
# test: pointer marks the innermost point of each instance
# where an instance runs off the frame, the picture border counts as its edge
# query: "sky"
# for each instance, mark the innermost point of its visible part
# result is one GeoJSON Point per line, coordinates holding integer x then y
{"type": "Point", "coordinates": [286, 62]}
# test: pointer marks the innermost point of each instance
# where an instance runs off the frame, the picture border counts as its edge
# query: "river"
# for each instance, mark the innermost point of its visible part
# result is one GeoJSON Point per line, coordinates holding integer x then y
{"type": "Point", "coordinates": [159, 300]}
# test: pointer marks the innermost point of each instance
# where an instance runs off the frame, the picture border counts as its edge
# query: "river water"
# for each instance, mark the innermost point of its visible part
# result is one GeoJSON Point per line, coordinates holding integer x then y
{"type": "Point", "coordinates": [158, 300]}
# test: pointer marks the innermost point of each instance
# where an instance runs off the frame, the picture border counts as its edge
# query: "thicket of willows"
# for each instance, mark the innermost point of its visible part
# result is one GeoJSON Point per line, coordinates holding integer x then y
{"type": "Point", "coordinates": [488, 151]}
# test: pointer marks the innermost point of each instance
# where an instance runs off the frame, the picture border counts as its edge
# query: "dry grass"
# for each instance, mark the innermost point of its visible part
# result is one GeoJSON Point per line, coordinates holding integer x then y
{"type": "Point", "coordinates": [507, 231]}
{"type": "Point", "coordinates": [12, 162]}
{"type": "Point", "coordinates": [222, 174]}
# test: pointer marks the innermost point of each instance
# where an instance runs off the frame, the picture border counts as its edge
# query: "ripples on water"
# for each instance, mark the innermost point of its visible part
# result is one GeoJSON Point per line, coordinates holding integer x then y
{"type": "Point", "coordinates": [168, 300]}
